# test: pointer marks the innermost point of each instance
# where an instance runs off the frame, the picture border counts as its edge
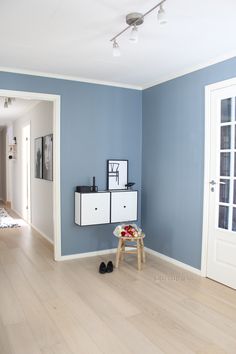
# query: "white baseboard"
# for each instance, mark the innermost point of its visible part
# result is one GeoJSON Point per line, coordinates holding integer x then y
{"type": "Point", "coordinates": [42, 233]}
{"type": "Point", "coordinates": [173, 261]}
{"type": "Point", "coordinates": [17, 213]}
{"type": "Point", "coordinates": [148, 250]}
{"type": "Point", "coordinates": [87, 254]}
{"type": "Point", "coordinates": [34, 227]}
{"type": "Point", "coordinates": [113, 250]}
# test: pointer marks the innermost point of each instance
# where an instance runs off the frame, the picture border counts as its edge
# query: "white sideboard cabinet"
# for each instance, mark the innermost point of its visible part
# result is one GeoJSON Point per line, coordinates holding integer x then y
{"type": "Point", "coordinates": [106, 207]}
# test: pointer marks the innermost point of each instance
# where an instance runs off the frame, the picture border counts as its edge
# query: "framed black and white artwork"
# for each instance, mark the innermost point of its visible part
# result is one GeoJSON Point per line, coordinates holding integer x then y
{"type": "Point", "coordinates": [117, 174]}
{"type": "Point", "coordinates": [38, 157]}
{"type": "Point", "coordinates": [48, 157]}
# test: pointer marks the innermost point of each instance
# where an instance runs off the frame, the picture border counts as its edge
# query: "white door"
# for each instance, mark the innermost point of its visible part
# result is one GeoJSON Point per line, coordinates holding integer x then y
{"type": "Point", "coordinates": [221, 249]}
{"type": "Point", "coordinates": [26, 173]}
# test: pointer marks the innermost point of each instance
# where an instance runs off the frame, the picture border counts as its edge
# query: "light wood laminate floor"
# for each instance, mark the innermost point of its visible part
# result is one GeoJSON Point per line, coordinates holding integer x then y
{"type": "Point", "coordinates": [68, 307]}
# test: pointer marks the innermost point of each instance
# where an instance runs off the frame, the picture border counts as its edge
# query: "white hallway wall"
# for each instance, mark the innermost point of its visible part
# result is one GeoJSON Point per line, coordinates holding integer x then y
{"type": "Point", "coordinates": [3, 193]}
{"type": "Point", "coordinates": [9, 163]}
{"type": "Point", "coordinates": [41, 124]}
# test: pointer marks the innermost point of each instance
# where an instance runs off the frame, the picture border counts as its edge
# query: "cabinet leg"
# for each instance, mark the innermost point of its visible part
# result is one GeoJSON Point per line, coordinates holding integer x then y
{"type": "Point", "coordinates": [118, 253]}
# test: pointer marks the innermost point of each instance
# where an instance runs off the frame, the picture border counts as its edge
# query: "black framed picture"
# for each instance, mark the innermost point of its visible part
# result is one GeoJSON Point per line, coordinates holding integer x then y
{"type": "Point", "coordinates": [38, 157]}
{"type": "Point", "coordinates": [48, 157]}
{"type": "Point", "coordinates": [117, 174]}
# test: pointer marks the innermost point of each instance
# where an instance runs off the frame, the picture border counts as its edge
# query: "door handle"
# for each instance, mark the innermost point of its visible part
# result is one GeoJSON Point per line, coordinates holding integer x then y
{"type": "Point", "coordinates": [212, 182]}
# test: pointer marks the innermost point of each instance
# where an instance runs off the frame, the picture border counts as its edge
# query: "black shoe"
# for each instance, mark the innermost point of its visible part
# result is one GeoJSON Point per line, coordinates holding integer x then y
{"type": "Point", "coordinates": [109, 267]}
{"type": "Point", "coordinates": [102, 268]}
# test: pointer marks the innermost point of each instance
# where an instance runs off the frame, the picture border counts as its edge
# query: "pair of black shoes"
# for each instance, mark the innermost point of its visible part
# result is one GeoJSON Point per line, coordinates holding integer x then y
{"type": "Point", "coordinates": [106, 268]}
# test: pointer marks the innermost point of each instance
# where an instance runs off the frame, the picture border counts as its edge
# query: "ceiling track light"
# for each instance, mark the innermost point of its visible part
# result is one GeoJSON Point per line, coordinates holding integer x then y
{"type": "Point", "coordinates": [116, 49]}
{"type": "Point", "coordinates": [7, 101]}
{"type": "Point", "coordinates": [135, 19]}
{"type": "Point", "coordinates": [134, 35]}
{"type": "Point", "coordinates": [161, 16]}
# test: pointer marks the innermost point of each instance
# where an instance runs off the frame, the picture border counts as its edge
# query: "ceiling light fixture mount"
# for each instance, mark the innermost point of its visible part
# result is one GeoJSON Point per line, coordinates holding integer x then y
{"type": "Point", "coordinates": [135, 19]}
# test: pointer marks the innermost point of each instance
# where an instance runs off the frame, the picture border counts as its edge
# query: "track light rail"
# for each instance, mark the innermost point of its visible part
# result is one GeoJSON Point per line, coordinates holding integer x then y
{"type": "Point", "coordinates": [133, 23]}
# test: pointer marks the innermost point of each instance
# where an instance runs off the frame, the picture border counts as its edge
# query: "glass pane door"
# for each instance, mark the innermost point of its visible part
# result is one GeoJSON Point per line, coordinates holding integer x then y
{"type": "Point", "coordinates": [227, 170]}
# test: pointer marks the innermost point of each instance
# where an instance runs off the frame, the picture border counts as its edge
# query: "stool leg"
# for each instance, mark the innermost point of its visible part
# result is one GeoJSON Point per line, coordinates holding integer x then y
{"type": "Point", "coordinates": [118, 253]}
{"type": "Point", "coordinates": [139, 254]}
{"type": "Point", "coordinates": [123, 250]}
{"type": "Point", "coordinates": [143, 252]}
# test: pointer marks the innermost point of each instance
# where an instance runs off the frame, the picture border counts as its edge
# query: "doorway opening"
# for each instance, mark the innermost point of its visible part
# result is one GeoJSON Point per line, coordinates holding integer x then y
{"type": "Point", "coordinates": [25, 148]}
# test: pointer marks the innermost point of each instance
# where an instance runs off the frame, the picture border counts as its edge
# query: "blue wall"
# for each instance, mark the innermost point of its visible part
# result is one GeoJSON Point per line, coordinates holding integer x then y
{"type": "Point", "coordinates": [101, 122]}
{"type": "Point", "coordinates": [97, 123]}
{"type": "Point", "coordinates": [173, 161]}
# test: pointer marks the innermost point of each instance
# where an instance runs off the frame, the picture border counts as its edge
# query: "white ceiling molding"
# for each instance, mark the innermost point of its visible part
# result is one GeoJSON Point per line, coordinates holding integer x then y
{"type": "Point", "coordinates": [145, 86]}
{"type": "Point", "coordinates": [186, 71]}
{"type": "Point", "coordinates": [69, 78]}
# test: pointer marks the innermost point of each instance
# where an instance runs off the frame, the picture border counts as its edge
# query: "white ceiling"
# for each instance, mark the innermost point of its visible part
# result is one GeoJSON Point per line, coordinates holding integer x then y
{"type": "Point", "coordinates": [71, 37]}
{"type": "Point", "coordinates": [14, 111]}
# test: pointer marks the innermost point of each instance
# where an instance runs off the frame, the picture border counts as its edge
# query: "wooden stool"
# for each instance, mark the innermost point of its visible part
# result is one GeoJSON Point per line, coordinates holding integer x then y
{"type": "Point", "coordinates": [138, 249]}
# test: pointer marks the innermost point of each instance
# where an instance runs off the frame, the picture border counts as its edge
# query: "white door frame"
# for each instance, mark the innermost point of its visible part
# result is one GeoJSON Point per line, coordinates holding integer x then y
{"type": "Point", "coordinates": [56, 99]}
{"type": "Point", "coordinates": [28, 219]}
{"type": "Point", "coordinates": [205, 228]}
